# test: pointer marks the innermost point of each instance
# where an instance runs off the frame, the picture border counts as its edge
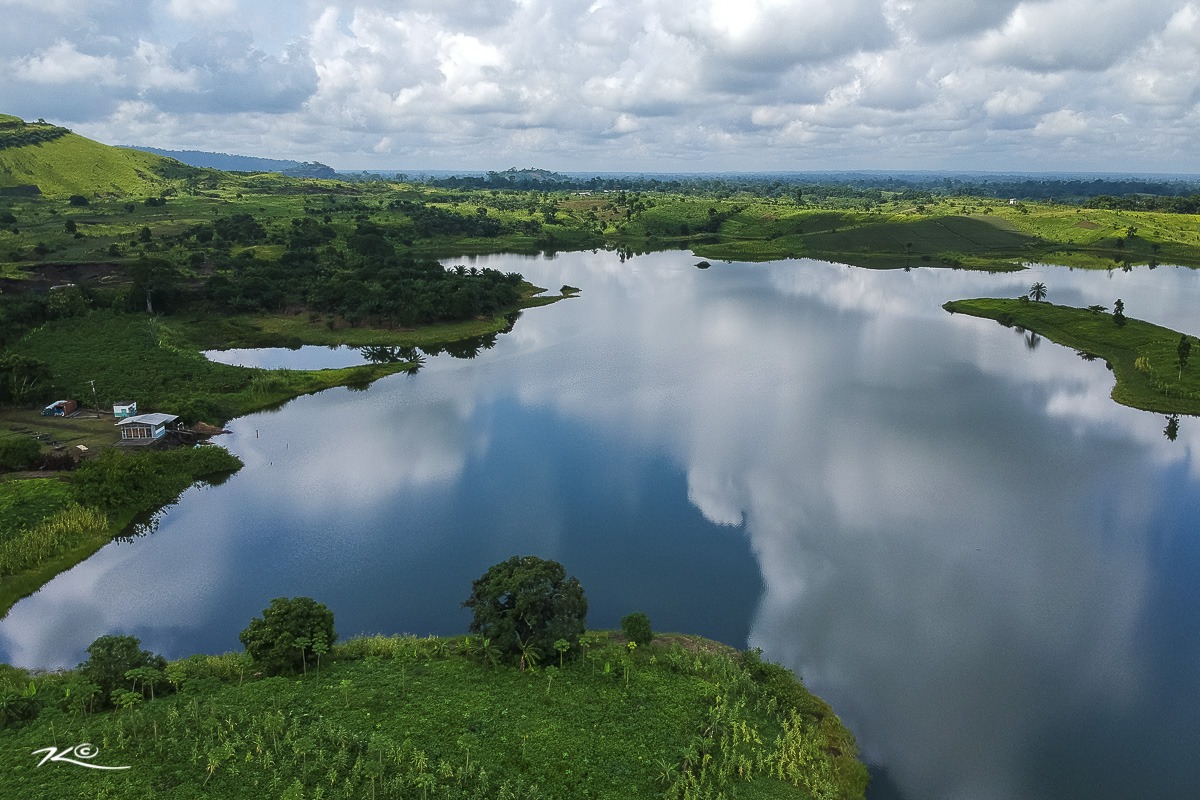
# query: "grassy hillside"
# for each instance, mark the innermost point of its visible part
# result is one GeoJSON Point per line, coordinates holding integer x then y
{"type": "Point", "coordinates": [134, 355]}
{"type": "Point", "coordinates": [71, 164]}
{"type": "Point", "coordinates": [402, 717]}
{"type": "Point", "coordinates": [1144, 357]}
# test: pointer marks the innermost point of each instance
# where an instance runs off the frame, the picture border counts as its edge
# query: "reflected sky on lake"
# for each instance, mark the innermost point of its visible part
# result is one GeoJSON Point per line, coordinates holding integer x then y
{"type": "Point", "coordinates": [949, 530]}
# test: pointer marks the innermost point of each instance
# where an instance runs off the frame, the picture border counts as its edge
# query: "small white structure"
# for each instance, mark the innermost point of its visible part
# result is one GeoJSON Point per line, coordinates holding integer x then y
{"type": "Point", "coordinates": [145, 427]}
{"type": "Point", "coordinates": [123, 410]}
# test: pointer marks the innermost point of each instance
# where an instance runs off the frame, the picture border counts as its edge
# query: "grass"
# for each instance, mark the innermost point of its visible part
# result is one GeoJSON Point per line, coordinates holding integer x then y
{"type": "Point", "coordinates": [135, 356]}
{"type": "Point", "coordinates": [25, 503]}
{"type": "Point", "coordinates": [92, 430]}
{"type": "Point", "coordinates": [418, 718]}
{"type": "Point", "coordinates": [1143, 356]}
{"type": "Point", "coordinates": [292, 330]}
{"type": "Point", "coordinates": [73, 164]}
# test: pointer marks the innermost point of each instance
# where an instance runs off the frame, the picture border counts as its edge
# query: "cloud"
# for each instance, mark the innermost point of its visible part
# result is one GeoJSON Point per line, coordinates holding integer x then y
{"type": "Point", "coordinates": [63, 63]}
{"type": "Point", "coordinates": [938, 20]}
{"type": "Point", "coordinates": [1088, 35]}
{"type": "Point", "coordinates": [223, 72]}
{"type": "Point", "coordinates": [201, 10]}
{"type": "Point", "coordinates": [660, 84]}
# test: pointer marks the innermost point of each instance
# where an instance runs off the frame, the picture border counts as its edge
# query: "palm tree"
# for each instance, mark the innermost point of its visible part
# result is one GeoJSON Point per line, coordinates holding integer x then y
{"type": "Point", "coordinates": [529, 654]}
{"type": "Point", "coordinates": [1037, 292]}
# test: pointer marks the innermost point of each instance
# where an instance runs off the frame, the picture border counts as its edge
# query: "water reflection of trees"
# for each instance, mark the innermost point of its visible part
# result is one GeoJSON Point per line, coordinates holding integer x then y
{"type": "Point", "coordinates": [463, 348]}
{"type": "Point", "coordinates": [1172, 429]}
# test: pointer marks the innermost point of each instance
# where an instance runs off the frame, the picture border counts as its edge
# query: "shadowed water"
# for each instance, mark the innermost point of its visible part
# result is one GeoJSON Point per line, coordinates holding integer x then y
{"type": "Point", "coordinates": [945, 526]}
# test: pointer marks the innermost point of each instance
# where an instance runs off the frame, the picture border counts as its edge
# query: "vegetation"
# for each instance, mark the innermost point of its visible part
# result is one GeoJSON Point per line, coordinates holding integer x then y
{"type": "Point", "coordinates": [39, 159]}
{"type": "Point", "coordinates": [149, 358]}
{"type": "Point", "coordinates": [636, 627]}
{"type": "Point", "coordinates": [525, 606]}
{"type": "Point", "coordinates": [110, 660]}
{"type": "Point", "coordinates": [406, 717]}
{"type": "Point", "coordinates": [18, 453]}
{"type": "Point", "coordinates": [1149, 361]}
{"type": "Point", "coordinates": [291, 631]}
{"type": "Point", "coordinates": [50, 524]}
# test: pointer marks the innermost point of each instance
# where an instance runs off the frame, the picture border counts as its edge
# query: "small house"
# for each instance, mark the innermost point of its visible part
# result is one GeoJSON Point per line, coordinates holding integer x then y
{"type": "Point", "coordinates": [145, 428]}
{"type": "Point", "coordinates": [60, 408]}
{"type": "Point", "coordinates": [123, 410]}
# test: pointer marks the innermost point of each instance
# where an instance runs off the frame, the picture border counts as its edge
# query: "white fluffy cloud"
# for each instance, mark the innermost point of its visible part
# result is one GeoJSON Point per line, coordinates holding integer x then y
{"type": "Point", "coordinates": [601, 84]}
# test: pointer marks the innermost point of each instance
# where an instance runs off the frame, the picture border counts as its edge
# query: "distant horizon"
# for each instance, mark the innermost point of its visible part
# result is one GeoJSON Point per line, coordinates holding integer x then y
{"type": "Point", "coordinates": [976, 173]}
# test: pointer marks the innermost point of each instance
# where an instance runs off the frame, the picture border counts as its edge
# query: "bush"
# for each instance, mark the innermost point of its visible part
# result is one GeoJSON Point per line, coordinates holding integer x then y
{"type": "Point", "coordinates": [18, 452]}
{"type": "Point", "coordinates": [525, 604]}
{"type": "Point", "coordinates": [110, 657]}
{"type": "Point", "coordinates": [291, 631]}
{"type": "Point", "coordinates": [636, 627]}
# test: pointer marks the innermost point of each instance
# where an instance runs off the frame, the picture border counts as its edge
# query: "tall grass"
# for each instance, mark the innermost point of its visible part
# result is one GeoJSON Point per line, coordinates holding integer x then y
{"type": "Point", "coordinates": [408, 717]}
{"type": "Point", "coordinates": [49, 537]}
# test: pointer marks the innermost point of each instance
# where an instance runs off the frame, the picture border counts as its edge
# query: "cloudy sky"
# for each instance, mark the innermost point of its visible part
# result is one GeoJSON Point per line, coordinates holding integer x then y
{"type": "Point", "coordinates": [687, 85]}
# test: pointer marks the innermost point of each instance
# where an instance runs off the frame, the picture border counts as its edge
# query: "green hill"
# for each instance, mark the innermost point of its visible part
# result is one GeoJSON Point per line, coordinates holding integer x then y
{"type": "Point", "coordinates": [60, 163]}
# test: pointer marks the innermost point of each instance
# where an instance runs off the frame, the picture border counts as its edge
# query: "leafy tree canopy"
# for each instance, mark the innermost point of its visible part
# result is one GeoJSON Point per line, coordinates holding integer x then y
{"type": "Point", "coordinates": [527, 602]}
{"type": "Point", "coordinates": [110, 657]}
{"type": "Point", "coordinates": [283, 638]}
{"type": "Point", "coordinates": [636, 627]}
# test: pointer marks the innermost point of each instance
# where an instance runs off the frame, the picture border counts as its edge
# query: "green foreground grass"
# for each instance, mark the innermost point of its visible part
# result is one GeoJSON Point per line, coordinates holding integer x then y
{"type": "Point", "coordinates": [400, 717]}
{"type": "Point", "coordinates": [1143, 356]}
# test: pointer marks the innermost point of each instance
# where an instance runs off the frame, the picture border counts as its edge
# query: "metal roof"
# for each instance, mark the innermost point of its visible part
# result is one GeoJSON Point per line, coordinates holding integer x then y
{"type": "Point", "coordinates": [149, 419]}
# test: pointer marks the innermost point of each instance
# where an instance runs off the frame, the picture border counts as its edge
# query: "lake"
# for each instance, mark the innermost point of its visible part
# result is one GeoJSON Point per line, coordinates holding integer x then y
{"type": "Point", "coordinates": [946, 527]}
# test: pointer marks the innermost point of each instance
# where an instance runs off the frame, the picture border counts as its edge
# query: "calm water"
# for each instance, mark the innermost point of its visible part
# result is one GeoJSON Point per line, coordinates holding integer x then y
{"type": "Point", "coordinates": [946, 527]}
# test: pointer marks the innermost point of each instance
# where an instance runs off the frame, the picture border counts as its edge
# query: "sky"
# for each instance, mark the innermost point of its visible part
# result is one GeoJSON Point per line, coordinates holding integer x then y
{"type": "Point", "coordinates": [622, 85]}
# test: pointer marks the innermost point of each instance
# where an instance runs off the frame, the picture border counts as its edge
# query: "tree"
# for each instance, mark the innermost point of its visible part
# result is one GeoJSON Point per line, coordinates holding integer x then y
{"type": "Point", "coordinates": [636, 627]}
{"type": "Point", "coordinates": [154, 280]}
{"type": "Point", "coordinates": [1118, 313]}
{"type": "Point", "coordinates": [21, 378]}
{"type": "Point", "coordinates": [525, 604]}
{"type": "Point", "coordinates": [1037, 292]}
{"type": "Point", "coordinates": [274, 639]}
{"type": "Point", "coordinates": [111, 657]}
{"type": "Point", "coordinates": [1172, 429]}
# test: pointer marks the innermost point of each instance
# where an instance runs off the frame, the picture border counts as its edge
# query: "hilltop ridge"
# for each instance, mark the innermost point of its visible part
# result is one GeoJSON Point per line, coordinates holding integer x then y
{"type": "Point", "coordinates": [38, 158]}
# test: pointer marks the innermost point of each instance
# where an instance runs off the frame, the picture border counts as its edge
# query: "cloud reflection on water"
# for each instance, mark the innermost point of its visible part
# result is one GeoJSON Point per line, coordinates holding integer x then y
{"type": "Point", "coordinates": [953, 532]}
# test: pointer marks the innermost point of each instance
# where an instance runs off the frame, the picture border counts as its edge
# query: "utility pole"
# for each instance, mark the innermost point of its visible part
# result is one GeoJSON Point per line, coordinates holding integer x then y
{"type": "Point", "coordinates": [95, 402]}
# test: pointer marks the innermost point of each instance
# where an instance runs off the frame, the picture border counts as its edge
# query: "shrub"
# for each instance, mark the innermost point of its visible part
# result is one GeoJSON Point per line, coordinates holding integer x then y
{"type": "Point", "coordinates": [636, 627]}
{"type": "Point", "coordinates": [289, 633]}
{"type": "Point", "coordinates": [78, 200]}
{"type": "Point", "coordinates": [525, 604]}
{"type": "Point", "coordinates": [55, 462]}
{"type": "Point", "coordinates": [18, 452]}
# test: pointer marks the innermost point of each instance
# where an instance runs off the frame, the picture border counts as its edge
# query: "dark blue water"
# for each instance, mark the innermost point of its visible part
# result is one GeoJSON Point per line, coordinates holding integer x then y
{"type": "Point", "coordinates": [945, 526]}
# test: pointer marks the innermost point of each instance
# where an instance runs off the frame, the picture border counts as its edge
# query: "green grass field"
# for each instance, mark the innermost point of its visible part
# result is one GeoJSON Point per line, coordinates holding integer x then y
{"type": "Point", "coordinates": [1143, 356]}
{"type": "Point", "coordinates": [134, 356]}
{"type": "Point", "coordinates": [417, 718]}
